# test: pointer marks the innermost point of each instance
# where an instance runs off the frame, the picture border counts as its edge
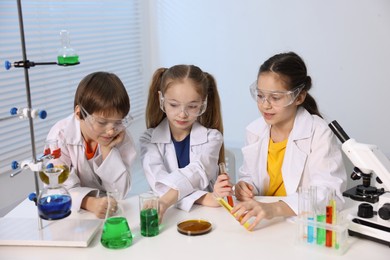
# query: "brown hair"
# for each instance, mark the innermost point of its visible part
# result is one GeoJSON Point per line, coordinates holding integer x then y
{"type": "Point", "coordinates": [102, 92]}
{"type": "Point", "coordinates": [205, 85]}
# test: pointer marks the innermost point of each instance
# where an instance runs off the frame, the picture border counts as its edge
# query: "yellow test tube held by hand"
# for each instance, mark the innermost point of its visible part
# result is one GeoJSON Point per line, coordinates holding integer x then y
{"type": "Point", "coordinates": [226, 205]}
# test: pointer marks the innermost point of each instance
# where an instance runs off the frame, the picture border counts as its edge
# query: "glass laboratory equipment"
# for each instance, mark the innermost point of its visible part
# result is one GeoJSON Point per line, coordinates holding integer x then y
{"type": "Point", "coordinates": [320, 225]}
{"type": "Point", "coordinates": [116, 232]}
{"type": "Point", "coordinates": [54, 201]}
{"type": "Point", "coordinates": [148, 206]}
{"type": "Point", "coordinates": [66, 55]}
{"type": "Point", "coordinates": [52, 151]}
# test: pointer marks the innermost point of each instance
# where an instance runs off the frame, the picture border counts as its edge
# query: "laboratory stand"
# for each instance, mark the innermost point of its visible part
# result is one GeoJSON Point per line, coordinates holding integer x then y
{"type": "Point", "coordinates": [53, 203]}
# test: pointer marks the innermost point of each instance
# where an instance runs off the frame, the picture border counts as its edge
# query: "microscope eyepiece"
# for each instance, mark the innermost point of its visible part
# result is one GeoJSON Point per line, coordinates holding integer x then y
{"type": "Point", "coordinates": [338, 131]}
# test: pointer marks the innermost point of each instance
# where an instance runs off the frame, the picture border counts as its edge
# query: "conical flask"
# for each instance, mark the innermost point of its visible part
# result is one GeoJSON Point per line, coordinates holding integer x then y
{"type": "Point", "coordinates": [116, 233]}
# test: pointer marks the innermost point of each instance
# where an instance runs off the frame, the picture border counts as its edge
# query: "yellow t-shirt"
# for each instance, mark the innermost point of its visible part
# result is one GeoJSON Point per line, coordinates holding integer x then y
{"type": "Point", "coordinates": [274, 168]}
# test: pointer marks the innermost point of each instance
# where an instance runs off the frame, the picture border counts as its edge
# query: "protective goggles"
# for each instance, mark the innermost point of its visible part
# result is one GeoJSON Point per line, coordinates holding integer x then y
{"type": "Point", "coordinates": [99, 124]}
{"type": "Point", "coordinates": [191, 109]}
{"type": "Point", "coordinates": [274, 98]}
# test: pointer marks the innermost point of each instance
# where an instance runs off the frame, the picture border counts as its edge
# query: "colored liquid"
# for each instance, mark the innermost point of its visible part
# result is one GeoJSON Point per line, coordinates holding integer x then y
{"type": "Point", "coordinates": [194, 227]}
{"type": "Point", "coordinates": [116, 233]}
{"type": "Point", "coordinates": [149, 222]}
{"type": "Point", "coordinates": [230, 201]}
{"type": "Point", "coordinates": [321, 231]}
{"type": "Point", "coordinates": [61, 178]}
{"type": "Point", "coordinates": [329, 233]}
{"type": "Point", "coordinates": [226, 205]}
{"type": "Point", "coordinates": [310, 231]}
{"type": "Point", "coordinates": [54, 207]}
{"type": "Point", "coordinates": [68, 60]}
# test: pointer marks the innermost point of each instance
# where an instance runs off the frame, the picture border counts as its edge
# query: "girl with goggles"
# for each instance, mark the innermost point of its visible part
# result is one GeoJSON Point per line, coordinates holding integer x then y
{"type": "Point", "coordinates": [288, 147]}
{"type": "Point", "coordinates": [183, 143]}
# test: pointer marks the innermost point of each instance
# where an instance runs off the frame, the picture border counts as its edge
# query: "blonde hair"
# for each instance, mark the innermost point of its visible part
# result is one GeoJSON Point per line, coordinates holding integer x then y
{"type": "Point", "coordinates": [205, 86]}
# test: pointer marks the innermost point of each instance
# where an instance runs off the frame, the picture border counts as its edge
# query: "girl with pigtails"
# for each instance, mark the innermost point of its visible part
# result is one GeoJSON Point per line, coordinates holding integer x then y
{"type": "Point", "coordinates": [183, 143]}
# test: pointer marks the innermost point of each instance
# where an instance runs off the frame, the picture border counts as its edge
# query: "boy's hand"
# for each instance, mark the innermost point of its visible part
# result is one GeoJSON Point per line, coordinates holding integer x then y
{"type": "Point", "coordinates": [99, 206]}
{"type": "Point", "coordinates": [106, 147]}
{"type": "Point", "coordinates": [117, 139]}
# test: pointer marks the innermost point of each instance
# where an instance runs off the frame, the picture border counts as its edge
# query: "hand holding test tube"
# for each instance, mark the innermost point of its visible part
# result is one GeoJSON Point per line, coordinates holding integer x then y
{"type": "Point", "coordinates": [222, 170]}
{"type": "Point", "coordinates": [224, 204]}
{"type": "Point", "coordinates": [227, 205]}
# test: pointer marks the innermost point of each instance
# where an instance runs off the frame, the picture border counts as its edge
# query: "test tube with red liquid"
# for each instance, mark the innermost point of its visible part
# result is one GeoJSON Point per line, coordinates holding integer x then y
{"type": "Point", "coordinates": [222, 170]}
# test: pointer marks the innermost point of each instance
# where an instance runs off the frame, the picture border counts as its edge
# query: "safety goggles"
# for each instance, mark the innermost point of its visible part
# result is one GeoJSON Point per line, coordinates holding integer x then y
{"type": "Point", "coordinates": [274, 98]}
{"type": "Point", "coordinates": [173, 107]}
{"type": "Point", "coordinates": [99, 124]}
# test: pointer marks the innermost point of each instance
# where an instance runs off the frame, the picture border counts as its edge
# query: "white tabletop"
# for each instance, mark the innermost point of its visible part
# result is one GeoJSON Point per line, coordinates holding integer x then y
{"type": "Point", "coordinates": [227, 240]}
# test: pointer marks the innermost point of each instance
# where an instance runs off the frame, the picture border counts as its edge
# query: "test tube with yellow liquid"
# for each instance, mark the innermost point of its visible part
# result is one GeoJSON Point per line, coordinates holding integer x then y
{"type": "Point", "coordinates": [226, 205]}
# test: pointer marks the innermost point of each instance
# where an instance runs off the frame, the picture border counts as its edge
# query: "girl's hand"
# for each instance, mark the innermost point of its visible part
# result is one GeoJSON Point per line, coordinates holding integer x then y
{"type": "Point", "coordinates": [252, 208]}
{"type": "Point", "coordinates": [208, 200]}
{"type": "Point", "coordinates": [162, 208]}
{"type": "Point", "coordinates": [223, 186]}
{"type": "Point", "coordinates": [99, 206]}
{"type": "Point", "coordinates": [244, 191]}
{"type": "Point", "coordinates": [166, 201]}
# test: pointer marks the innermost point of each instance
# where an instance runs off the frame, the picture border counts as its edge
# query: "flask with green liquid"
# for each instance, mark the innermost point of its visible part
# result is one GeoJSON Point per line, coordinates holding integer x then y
{"type": "Point", "coordinates": [116, 231]}
{"type": "Point", "coordinates": [66, 55]}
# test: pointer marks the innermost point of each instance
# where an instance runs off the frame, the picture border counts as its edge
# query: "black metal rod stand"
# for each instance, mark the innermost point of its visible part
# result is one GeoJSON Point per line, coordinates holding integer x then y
{"type": "Point", "coordinates": [29, 105]}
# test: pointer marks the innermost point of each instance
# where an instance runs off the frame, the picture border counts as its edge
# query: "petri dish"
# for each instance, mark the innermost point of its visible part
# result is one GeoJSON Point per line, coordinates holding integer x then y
{"type": "Point", "coordinates": [194, 227]}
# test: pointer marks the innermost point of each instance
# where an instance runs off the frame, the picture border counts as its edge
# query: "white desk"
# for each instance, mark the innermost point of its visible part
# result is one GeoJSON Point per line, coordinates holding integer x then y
{"type": "Point", "coordinates": [227, 240]}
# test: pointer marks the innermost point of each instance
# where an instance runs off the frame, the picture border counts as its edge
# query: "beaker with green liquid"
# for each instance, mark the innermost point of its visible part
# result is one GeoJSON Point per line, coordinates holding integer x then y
{"type": "Point", "coordinates": [116, 232]}
{"type": "Point", "coordinates": [148, 204]}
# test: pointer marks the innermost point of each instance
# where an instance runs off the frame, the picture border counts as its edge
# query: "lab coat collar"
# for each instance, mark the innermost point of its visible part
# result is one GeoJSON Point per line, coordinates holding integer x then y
{"type": "Point", "coordinates": [296, 152]}
{"type": "Point", "coordinates": [72, 131]}
{"type": "Point", "coordinates": [162, 133]}
{"type": "Point", "coordinates": [302, 127]}
{"type": "Point", "coordinates": [303, 124]}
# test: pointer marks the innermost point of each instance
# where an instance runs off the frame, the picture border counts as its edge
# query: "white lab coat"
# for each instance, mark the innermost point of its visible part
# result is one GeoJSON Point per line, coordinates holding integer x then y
{"type": "Point", "coordinates": [312, 158]}
{"type": "Point", "coordinates": [161, 168]}
{"type": "Point", "coordinates": [90, 177]}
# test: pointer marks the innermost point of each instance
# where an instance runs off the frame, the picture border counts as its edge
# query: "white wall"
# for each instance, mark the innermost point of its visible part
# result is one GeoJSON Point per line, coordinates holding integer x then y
{"type": "Point", "coordinates": [345, 43]}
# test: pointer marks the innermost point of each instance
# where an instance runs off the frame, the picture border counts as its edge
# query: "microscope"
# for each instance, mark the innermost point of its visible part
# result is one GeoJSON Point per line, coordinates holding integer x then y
{"type": "Point", "coordinates": [372, 219]}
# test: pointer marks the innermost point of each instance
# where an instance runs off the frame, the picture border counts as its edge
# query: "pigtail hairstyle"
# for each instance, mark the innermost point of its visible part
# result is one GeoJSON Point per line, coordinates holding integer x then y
{"type": "Point", "coordinates": [212, 117]}
{"type": "Point", "coordinates": [205, 86]}
{"type": "Point", "coordinates": [154, 115]}
{"type": "Point", "coordinates": [293, 70]}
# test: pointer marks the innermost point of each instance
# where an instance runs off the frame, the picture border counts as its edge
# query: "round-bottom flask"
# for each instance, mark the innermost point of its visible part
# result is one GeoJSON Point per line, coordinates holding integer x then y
{"type": "Point", "coordinates": [54, 202]}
